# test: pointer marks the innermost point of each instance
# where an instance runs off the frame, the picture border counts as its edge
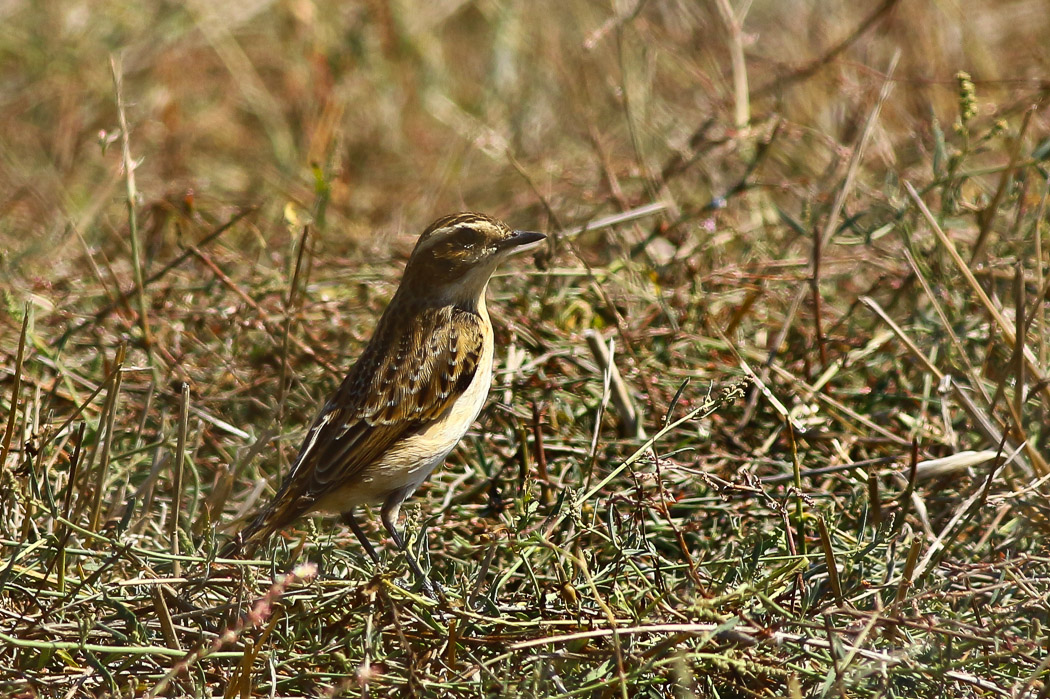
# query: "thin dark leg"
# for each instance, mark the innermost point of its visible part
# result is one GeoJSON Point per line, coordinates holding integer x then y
{"type": "Point", "coordinates": [388, 514]}
{"type": "Point", "coordinates": [349, 520]}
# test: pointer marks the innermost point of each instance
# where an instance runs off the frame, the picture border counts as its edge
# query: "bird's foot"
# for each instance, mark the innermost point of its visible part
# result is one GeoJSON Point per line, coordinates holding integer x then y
{"type": "Point", "coordinates": [434, 590]}
{"type": "Point", "coordinates": [431, 589]}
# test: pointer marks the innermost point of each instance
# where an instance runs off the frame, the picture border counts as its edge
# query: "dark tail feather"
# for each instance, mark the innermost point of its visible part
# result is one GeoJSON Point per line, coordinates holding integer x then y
{"type": "Point", "coordinates": [244, 543]}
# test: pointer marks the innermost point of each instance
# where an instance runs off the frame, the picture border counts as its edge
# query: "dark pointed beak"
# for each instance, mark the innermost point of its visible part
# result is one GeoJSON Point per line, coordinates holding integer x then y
{"type": "Point", "coordinates": [518, 239]}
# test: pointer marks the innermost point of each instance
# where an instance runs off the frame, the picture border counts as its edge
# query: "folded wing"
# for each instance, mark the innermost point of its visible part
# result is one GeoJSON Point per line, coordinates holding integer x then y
{"type": "Point", "coordinates": [408, 376]}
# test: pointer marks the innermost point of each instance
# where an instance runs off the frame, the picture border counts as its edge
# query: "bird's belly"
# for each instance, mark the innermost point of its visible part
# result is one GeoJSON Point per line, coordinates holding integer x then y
{"type": "Point", "coordinates": [412, 459]}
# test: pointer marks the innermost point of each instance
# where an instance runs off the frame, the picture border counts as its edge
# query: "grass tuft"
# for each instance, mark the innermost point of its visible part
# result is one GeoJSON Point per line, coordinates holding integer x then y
{"type": "Point", "coordinates": [771, 412]}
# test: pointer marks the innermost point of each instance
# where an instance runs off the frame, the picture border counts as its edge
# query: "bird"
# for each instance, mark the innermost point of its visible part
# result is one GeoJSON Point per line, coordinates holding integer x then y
{"type": "Point", "coordinates": [411, 395]}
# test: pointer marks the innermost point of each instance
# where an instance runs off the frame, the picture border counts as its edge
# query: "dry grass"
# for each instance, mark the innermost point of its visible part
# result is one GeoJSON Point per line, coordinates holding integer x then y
{"type": "Point", "coordinates": [824, 246]}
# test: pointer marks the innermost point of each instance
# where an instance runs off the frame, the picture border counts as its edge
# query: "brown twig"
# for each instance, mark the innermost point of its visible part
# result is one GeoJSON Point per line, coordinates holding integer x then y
{"type": "Point", "coordinates": [810, 69]}
{"type": "Point", "coordinates": [159, 274]}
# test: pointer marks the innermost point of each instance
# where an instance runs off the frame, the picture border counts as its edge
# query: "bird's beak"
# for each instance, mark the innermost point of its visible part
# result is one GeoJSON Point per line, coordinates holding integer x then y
{"type": "Point", "coordinates": [519, 239]}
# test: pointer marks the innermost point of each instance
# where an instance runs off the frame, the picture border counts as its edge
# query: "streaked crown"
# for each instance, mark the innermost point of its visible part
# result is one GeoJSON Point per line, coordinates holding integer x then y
{"type": "Point", "coordinates": [462, 250]}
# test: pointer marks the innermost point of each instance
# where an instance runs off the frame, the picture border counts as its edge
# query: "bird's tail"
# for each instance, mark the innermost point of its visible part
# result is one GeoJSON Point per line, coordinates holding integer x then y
{"type": "Point", "coordinates": [244, 543]}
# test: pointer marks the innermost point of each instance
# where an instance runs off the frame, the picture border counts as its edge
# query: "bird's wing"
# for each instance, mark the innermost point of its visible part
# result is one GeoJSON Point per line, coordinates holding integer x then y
{"type": "Point", "coordinates": [411, 373]}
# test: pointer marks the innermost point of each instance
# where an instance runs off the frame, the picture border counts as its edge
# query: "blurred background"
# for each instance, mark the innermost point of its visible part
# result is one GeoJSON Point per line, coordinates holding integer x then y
{"type": "Point", "coordinates": [375, 117]}
{"type": "Point", "coordinates": [753, 158]}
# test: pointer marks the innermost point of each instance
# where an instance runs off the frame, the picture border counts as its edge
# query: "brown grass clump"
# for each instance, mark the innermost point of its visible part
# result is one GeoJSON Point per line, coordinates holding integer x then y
{"type": "Point", "coordinates": [810, 238]}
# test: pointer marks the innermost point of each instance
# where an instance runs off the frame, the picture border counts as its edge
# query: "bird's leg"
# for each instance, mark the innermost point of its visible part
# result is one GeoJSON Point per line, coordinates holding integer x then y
{"type": "Point", "coordinates": [388, 514]}
{"type": "Point", "coordinates": [349, 519]}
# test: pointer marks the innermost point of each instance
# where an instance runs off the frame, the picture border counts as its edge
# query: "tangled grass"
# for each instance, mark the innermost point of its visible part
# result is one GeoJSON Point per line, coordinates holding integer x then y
{"type": "Point", "coordinates": [771, 412]}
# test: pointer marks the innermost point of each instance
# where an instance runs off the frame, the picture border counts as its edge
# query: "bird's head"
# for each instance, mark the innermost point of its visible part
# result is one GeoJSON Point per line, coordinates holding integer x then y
{"type": "Point", "coordinates": [457, 254]}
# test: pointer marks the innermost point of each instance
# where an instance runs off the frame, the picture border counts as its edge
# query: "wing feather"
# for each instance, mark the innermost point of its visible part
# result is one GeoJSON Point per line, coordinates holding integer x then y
{"type": "Point", "coordinates": [411, 372]}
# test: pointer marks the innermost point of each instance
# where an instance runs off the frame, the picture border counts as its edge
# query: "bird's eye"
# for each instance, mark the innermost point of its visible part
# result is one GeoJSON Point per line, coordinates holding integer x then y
{"type": "Point", "coordinates": [463, 237]}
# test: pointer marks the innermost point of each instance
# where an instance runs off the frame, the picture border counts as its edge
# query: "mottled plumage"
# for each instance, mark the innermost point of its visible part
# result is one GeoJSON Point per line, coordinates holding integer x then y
{"type": "Point", "coordinates": [409, 374]}
{"type": "Point", "coordinates": [411, 395]}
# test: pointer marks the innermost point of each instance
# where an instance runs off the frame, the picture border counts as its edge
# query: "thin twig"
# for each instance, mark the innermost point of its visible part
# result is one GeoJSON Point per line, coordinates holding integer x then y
{"type": "Point", "coordinates": [16, 386]}
{"type": "Point", "coordinates": [132, 197]}
{"type": "Point", "coordinates": [1005, 330]}
{"type": "Point", "coordinates": [124, 295]}
{"type": "Point", "coordinates": [108, 416]}
{"type": "Point", "coordinates": [813, 67]}
{"type": "Point", "coordinates": [177, 471]}
{"type": "Point", "coordinates": [630, 424]}
{"type": "Point", "coordinates": [734, 24]}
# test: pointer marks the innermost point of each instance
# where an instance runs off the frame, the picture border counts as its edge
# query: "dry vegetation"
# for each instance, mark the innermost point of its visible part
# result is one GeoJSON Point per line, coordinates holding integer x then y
{"type": "Point", "coordinates": [825, 279]}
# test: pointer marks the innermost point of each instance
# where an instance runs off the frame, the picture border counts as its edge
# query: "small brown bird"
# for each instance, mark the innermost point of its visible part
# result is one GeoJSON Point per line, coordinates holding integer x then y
{"type": "Point", "coordinates": [412, 394]}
